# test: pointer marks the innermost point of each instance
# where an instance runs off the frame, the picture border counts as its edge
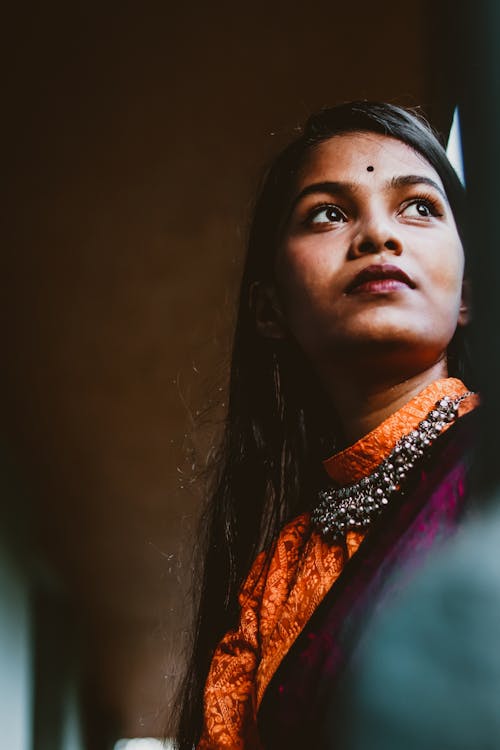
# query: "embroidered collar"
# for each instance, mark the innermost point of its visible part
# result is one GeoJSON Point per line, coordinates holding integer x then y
{"type": "Point", "coordinates": [362, 458]}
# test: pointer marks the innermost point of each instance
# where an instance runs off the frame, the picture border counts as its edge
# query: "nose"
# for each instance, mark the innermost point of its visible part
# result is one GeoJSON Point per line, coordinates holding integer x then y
{"type": "Point", "coordinates": [374, 236]}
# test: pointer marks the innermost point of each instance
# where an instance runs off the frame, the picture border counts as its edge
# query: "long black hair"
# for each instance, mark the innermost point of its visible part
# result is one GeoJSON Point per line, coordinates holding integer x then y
{"type": "Point", "coordinates": [268, 466]}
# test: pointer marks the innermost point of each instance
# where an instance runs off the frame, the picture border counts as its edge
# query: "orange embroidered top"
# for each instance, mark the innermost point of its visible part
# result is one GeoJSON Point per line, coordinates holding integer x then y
{"type": "Point", "coordinates": [275, 607]}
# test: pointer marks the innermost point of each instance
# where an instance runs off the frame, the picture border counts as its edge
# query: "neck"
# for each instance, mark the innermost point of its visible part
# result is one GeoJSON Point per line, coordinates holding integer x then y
{"type": "Point", "coordinates": [361, 406]}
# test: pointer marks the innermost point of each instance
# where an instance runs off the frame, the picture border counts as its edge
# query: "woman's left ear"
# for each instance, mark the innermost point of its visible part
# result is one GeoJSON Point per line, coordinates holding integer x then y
{"type": "Point", "coordinates": [269, 317]}
{"type": "Point", "coordinates": [464, 313]}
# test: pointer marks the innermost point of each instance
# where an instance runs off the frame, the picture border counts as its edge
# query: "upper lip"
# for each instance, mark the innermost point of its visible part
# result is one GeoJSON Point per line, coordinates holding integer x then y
{"type": "Point", "coordinates": [380, 271]}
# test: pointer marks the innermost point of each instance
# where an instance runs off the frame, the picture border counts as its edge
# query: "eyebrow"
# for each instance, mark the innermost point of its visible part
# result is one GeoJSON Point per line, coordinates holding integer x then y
{"type": "Point", "coordinates": [336, 188]}
{"type": "Point", "coordinates": [416, 179]}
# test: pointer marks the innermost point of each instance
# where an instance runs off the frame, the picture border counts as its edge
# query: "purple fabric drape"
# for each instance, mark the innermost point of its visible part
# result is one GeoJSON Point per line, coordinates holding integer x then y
{"type": "Point", "coordinates": [292, 712]}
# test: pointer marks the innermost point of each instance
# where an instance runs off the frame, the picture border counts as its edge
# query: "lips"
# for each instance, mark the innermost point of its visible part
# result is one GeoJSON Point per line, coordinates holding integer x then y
{"type": "Point", "coordinates": [380, 272]}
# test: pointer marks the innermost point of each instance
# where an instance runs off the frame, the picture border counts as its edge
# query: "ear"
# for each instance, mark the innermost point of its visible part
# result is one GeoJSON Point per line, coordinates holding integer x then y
{"type": "Point", "coordinates": [464, 314]}
{"type": "Point", "coordinates": [269, 317]}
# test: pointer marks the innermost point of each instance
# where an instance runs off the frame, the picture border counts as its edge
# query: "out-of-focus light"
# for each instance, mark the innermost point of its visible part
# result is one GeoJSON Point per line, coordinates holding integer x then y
{"type": "Point", "coordinates": [454, 147]}
{"type": "Point", "coordinates": [144, 743]}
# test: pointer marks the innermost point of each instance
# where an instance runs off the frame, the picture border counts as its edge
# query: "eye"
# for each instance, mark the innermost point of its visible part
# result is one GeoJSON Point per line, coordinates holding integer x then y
{"type": "Point", "coordinates": [326, 214]}
{"type": "Point", "coordinates": [421, 208]}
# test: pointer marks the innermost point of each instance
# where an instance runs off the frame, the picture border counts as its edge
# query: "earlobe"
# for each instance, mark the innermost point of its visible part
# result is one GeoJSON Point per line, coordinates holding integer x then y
{"type": "Point", "coordinates": [264, 303]}
{"type": "Point", "coordinates": [464, 314]}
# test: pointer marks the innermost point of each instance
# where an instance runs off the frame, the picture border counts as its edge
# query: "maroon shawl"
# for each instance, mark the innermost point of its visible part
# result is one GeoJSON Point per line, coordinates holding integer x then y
{"type": "Point", "coordinates": [293, 710]}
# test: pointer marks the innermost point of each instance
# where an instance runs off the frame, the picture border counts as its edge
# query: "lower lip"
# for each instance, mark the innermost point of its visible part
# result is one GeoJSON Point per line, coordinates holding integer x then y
{"type": "Point", "coordinates": [379, 286]}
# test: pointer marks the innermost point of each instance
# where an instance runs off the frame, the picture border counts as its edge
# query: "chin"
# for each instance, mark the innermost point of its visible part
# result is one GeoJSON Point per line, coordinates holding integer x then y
{"type": "Point", "coordinates": [370, 342]}
{"type": "Point", "coordinates": [395, 326]}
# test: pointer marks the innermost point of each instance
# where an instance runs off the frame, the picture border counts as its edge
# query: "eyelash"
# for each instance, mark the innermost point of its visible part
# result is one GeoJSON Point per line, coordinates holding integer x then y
{"type": "Point", "coordinates": [429, 200]}
{"type": "Point", "coordinates": [317, 209]}
{"type": "Point", "coordinates": [425, 198]}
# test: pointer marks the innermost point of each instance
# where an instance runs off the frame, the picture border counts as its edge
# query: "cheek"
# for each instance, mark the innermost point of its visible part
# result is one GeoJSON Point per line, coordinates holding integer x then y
{"type": "Point", "coordinates": [306, 272]}
{"type": "Point", "coordinates": [444, 293]}
{"type": "Point", "coordinates": [448, 271]}
{"type": "Point", "coordinates": [437, 257]}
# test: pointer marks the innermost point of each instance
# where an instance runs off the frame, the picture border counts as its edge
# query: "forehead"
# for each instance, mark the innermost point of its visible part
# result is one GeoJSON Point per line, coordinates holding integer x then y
{"type": "Point", "coordinates": [346, 158]}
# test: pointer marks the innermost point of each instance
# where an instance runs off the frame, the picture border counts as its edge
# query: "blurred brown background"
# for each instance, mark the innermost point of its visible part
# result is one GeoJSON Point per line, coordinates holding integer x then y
{"type": "Point", "coordinates": [136, 136]}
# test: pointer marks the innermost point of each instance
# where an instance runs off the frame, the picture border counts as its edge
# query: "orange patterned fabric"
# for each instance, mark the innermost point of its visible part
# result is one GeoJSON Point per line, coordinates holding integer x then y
{"type": "Point", "coordinates": [360, 459]}
{"type": "Point", "coordinates": [274, 609]}
{"type": "Point", "coordinates": [276, 602]}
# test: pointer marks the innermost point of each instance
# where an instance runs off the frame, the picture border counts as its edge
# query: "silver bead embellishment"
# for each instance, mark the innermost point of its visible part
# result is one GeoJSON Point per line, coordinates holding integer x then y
{"type": "Point", "coordinates": [355, 506]}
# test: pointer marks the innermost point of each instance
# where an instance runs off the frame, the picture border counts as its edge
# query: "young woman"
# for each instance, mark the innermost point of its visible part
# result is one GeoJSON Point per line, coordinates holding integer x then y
{"type": "Point", "coordinates": [346, 445]}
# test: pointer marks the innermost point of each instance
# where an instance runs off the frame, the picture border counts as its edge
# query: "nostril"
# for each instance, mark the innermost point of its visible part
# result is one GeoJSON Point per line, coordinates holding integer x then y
{"type": "Point", "coordinates": [391, 245]}
{"type": "Point", "coordinates": [367, 246]}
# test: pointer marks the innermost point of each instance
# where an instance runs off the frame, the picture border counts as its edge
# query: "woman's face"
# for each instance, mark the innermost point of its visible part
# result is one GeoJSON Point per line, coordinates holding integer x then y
{"type": "Point", "coordinates": [370, 259]}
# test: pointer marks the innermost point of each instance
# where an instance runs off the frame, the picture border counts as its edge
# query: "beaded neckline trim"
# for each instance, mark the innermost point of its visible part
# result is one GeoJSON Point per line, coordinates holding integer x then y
{"type": "Point", "coordinates": [355, 506]}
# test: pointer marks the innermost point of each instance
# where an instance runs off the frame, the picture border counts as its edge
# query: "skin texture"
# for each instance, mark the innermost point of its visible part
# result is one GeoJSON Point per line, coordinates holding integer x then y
{"type": "Point", "coordinates": [376, 347]}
